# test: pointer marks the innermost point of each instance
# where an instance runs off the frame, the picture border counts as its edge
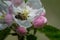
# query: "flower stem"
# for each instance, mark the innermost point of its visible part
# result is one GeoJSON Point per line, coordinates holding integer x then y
{"type": "Point", "coordinates": [35, 30]}
{"type": "Point", "coordinates": [20, 37]}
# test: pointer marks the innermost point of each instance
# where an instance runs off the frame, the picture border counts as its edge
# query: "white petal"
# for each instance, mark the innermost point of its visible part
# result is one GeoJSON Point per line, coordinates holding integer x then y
{"type": "Point", "coordinates": [15, 10]}
{"type": "Point", "coordinates": [29, 8]}
{"type": "Point", "coordinates": [8, 3]}
{"type": "Point", "coordinates": [1, 14]}
{"type": "Point", "coordinates": [24, 23]}
{"type": "Point", "coordinates": [3, 26]}
{"type": "Point", "coordinates": [42, 9]}
{"type": "Point", "coordinates": [32, 14]}
{"type": "Point", "coordinates": [35, 4]}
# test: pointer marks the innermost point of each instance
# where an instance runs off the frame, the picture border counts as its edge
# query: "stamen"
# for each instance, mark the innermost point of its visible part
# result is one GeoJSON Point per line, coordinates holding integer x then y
{"type": "Point", "coordinates": [25, 12]}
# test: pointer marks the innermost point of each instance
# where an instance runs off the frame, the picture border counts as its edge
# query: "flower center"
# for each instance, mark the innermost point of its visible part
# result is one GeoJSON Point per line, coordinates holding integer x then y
{"type": "Point", "coordinates": [25, 12]}
{"type": "Point", "coordinates": [23, 15]}
{"type": "Point", "coordinates": [20, 16]}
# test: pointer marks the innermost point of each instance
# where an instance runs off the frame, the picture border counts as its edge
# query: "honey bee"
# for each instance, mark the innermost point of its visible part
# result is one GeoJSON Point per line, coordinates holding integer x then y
{"type": "Point", "coordinates": [20, 16]}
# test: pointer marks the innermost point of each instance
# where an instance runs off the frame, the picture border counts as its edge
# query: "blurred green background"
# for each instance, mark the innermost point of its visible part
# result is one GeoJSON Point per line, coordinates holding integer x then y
{"type": "Point", "coordinates": [53, 15]}
{"type": "Point", "coordinates": [52, 12]}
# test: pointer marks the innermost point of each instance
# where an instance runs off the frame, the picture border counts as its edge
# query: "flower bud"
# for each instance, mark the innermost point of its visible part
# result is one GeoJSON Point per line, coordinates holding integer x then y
{"type": "Point", "coordinates": [21, 31]}
{"type": "Point", "coordinates": [8, 19]}
{"type": "Point", "coordinates": [39, 21]}
{"type": "Point", "coordinates": [43, 14]}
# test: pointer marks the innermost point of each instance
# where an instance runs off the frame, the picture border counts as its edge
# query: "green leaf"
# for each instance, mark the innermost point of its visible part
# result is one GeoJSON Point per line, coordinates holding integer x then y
{"type": "Point", "coordinates": [25, 1]}
{"type": "Point", "coordinates": [51, 32]}
{"type": "Point", "coordinates": [21, 37]}
{"type": "Point", "coordinates": [31, 37]}
{"type": "Point", "coordinates": [4, 33]}
{"type": "Point", "coordinates": [35, 31]}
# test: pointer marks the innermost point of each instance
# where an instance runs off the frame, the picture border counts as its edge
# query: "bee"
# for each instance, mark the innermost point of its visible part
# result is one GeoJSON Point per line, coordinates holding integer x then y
{"type": "Point", "coordinates": [20, 16]}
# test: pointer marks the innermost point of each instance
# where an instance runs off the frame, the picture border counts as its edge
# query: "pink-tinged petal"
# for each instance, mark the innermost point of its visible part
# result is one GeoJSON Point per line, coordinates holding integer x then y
{"type": "Point", "coordinates": [10, 9]}
{"type": "Point", "coordinates": [16, 2]}
{"type": "Point", "coordinates": [21, 30]}
{"type": "Point", "coordinates": [8, 19]}
{"type": "Point", "coordinates": [39, 21]}
{"type": "Point", "coordinates": [43, 14]}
